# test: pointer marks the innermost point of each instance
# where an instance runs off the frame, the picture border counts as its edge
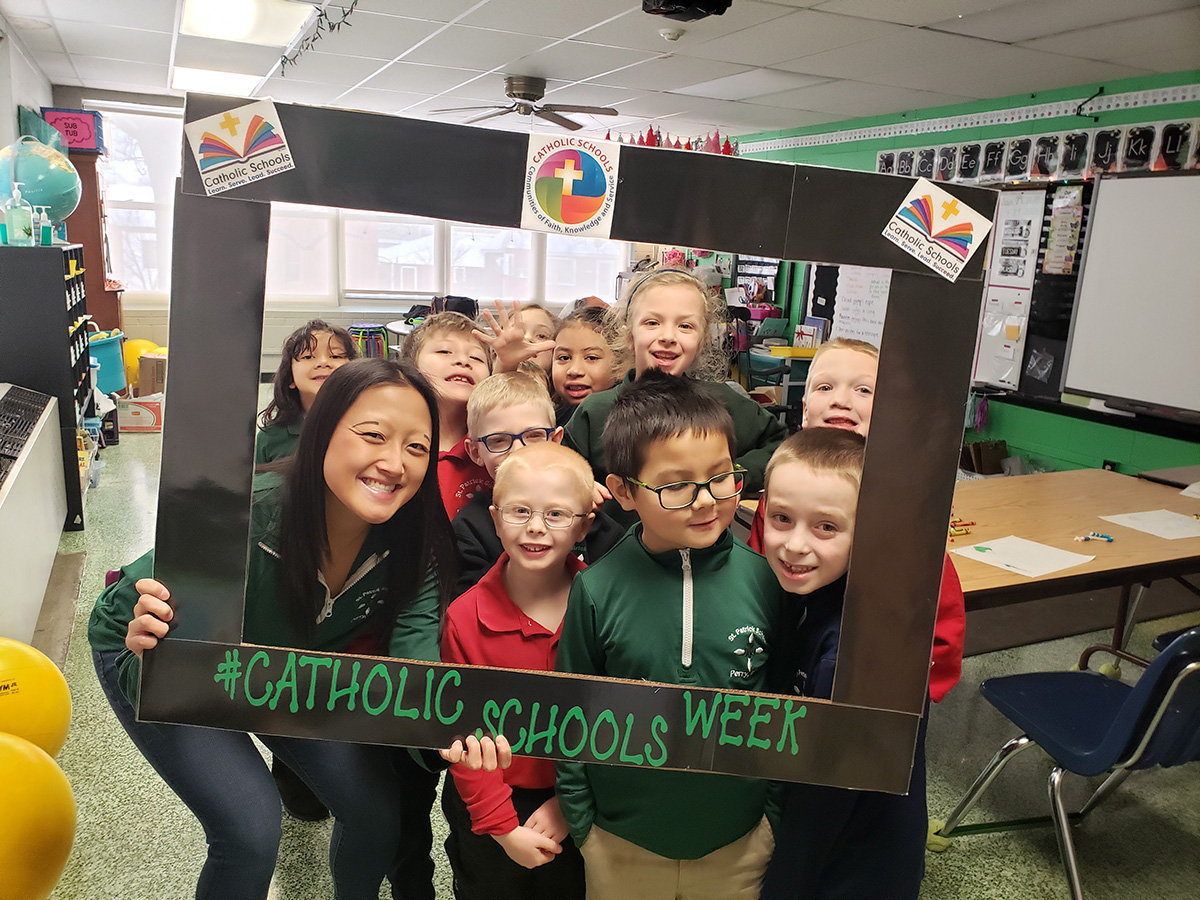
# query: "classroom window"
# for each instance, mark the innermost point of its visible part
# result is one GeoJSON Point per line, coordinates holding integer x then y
{"type": "Point", "coordinates": [581, 267]}
{"type": "Point", "coordinates": [390, 254]}
{"type": "Point", "coordinates": [488, 263]}
{"type": "Point", "coordinates": [302, 252]}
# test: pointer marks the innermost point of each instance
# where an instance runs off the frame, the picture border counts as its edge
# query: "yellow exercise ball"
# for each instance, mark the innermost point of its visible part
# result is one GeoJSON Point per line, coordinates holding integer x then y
{"type": "Point", "coordinates": [37, 826]}
{"type": "Point", "coordinates": [130, 353]}
{"type": "Point", "coordinates": [162, 350]}
{"type": "Point", "coordinates": [35, 703]}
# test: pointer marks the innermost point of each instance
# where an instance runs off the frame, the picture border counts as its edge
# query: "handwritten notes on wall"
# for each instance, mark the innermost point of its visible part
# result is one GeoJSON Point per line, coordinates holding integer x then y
{"type": "Point", "coordinates": [862, 295]}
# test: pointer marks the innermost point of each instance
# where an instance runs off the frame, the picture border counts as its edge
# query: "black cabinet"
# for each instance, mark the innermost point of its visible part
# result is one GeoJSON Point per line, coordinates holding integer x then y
{"type": "Point", "coordinates": [44, 344]}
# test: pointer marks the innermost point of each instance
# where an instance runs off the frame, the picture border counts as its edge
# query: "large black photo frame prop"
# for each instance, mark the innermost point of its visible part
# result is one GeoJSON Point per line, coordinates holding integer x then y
{"type": "Point", "coordinates": [204, 675]}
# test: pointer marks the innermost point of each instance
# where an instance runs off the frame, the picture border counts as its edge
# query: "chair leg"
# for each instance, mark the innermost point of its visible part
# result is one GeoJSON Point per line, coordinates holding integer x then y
{"type": "Point", "coordinates": [986, 777]}
{"type": "Point", "coordinates": [1111, 783]}
{"type": "Point", "coordinates": [1062, 830]}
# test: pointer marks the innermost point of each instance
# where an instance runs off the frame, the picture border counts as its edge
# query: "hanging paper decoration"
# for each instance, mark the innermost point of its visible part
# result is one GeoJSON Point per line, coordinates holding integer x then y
{"type": "Point", "coordinates": [608, 135]}
{"type": "Point", "coordinates": [727, 148]}
{"type": "Point", "coordinates": [678, 146]}
{"type": "Point", "coordinates": [688, 145]}
{"type": "Point", "coordinates": [641, 142]}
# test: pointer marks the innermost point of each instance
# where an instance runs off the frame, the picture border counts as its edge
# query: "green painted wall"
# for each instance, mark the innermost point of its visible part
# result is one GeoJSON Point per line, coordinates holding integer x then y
{"type": "Point", "coordinates": [1057, 441]}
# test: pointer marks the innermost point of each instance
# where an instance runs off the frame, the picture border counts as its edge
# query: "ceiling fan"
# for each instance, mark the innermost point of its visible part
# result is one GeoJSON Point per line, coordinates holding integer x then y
{"type": "Point", "coordinates": [525, 91]}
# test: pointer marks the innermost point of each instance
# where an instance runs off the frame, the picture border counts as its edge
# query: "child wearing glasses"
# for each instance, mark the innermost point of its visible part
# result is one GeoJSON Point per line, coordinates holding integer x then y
{"type": "Point", "coordinates": [665, 323]}
{"type": "Point", "coordinates": [677, 600]}
{"type": "Point", "coordinates": [508, 839]}
{"type": "Point", "coordinates": [509, 410]}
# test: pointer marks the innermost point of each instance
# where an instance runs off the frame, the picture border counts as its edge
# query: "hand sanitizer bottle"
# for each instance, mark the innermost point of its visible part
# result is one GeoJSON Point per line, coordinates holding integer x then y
{"type": "Point", "coordinates": [18, 217]}
{"type": "Point", "coordinates": [45, 230]}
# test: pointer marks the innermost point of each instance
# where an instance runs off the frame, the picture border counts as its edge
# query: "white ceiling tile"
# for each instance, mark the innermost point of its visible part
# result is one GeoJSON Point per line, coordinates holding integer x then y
{"type": "Point", "coordinates": [406, 76]}
{"type": "Point", "coordinates": [911, 12]}
{"type": "Point", "coordinates": [577, 61]}
{"type": "Point", "coordinates": [1153, 34]}
{"type": "Point", "coordinates": [15, 9]}
{"type": "Point", "coordinates": [653, 106]}
{"type": "Point", "coordinates": [115, 42]}
{"type": "Point", "coordinates": [293, 90]}
{"type": "Point", "coordinates": [669, 73]}
{"type": "Point", "coordinates": [377, 36]}
{"type": "Point", "coordinates": [153, 15]}
{"type": "Point", "coordinates": [224, 56]}
{"type": "Point", "coordinates": [557, 19]}
{"type": "Point", "coordinates": [55, 66]}
{"type": "Point", "coordinates": [753, 83]}
{"type": "Point", "coordinates": [901, 49]}
{"type": "Point", "coordinates": [37, 35]}
{"type": "Point", "coordinates": [852, 99]}
{"type": "Point", "coordinates": [379, 101]}
{"type": "Point", "coordinates": [482, 48]}
{"type": "Point", "coordinates": [1168, 59]}
{"type": "Point", "coordinates": [796, 34]}
{"type": "Point", "coordinates": [641, 31]}
{"type": "Point", "coordinates": [1029, 19]}
{"type": "Point", "coordinates": [92, 70]}
{"type": "Point", "coordinates": [331, 68]}
{"type": "Point", "coordinates": [733, 117]}
{"type": "Point", "coordinates": [587, 94]}
{"type": "Point", "coordinates": [433, 10]}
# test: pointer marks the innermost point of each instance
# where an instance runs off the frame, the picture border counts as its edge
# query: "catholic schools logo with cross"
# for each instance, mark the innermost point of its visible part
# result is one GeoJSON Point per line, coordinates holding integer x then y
{"type": "Point", "coordinates": [570, 185]}
{"type": "Point", "coordinates": [239, 146]}
{"type": "Point", "coordinates": [937, 228]}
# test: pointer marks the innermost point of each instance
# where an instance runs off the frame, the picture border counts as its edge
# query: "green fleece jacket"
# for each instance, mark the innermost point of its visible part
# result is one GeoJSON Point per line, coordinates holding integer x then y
{"type": "Point", "coordinates": [345, 617]}
{"type": "Point", "coordinates": [692, 617]}
{"type": "Point", "coordinates": [275, 442]}
{"type": "Point", "coordinates": [758, 433]}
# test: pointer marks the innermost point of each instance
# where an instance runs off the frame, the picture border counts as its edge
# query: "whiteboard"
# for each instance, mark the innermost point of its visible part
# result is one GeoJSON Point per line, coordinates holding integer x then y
{"type": "Point", "coordinates": [1135, 333]}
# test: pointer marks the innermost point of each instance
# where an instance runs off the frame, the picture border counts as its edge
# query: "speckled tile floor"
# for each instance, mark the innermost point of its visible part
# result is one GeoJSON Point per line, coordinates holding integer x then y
{"type": "Point", "coordinates": [136, 841]}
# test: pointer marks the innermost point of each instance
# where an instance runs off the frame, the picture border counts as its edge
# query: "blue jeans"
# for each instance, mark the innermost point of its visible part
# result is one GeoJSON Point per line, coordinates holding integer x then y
{"type": "Point", "coordinates": [222, 778]}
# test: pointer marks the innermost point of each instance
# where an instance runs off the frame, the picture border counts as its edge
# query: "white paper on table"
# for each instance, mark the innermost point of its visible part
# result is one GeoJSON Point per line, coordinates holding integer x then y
{"type": "Point", "coordinates": [1192, 490]}
{"type": "Point", "coordinates": [1159, 522]}
{"type": "Point", "coordinates": [1022, 556]}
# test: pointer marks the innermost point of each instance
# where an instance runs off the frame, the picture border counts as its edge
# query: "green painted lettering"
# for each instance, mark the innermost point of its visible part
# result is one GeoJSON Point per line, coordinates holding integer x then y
{"type": "Point", "coordinates": [349, 692]}
{"type": "Point", "coordinates": [758, 718]}
{"type": "Point", "coordinates": [287, 680]}
{"type": "Point", "coordinates": [548, 734]}
{"type": "Point", "coordinates": [314, 662]}
{"type": "Point", "coordinates": [265, 659]}
{"type": "Point", "coordinates": [428, 694]}
{"type": "Point", "coordinates": [573, 713]}
{"type": "Point", "coordinates": [624, 755]}
{"type": "Point", "coordinates": [702, 714]}
{"type": "Point", "coordinates": [452, 675]}
{"type": "Point", "coordinates": [730, 716]}
{"type": "Point", "coordinates": [378, 671]}
{"type": "Point", "coordinates": [515, 705]}
{"type": "Point", "coordinates": [616, 735]}
{"type": "Point", "coordinates": [490, 708]}
{"type": "Point", "coordinates": [657, 721]}
{"type": "Point", "coordinates": [789, 725]}
{"type": "Point", "coordinates": [398, 710]}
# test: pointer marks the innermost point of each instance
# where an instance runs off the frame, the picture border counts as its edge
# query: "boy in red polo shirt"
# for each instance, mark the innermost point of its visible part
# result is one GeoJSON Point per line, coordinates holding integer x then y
{"type": "Point", "coordinates": [508, 838]}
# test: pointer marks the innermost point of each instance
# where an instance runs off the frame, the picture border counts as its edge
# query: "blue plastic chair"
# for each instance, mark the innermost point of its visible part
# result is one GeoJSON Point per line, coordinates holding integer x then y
{"type": "Point", "coordinates": [1089, 725]}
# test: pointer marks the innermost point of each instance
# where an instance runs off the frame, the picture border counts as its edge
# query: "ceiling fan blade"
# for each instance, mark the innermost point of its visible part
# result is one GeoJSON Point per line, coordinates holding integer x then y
{"type": "Point", "coordinates": [468, 108]}
{"type": "Point", "coordinates": [591, 110]}
{"type": "Point", "coordinates": [500, 112]}
{"type": "Point", "coordinates": [551, 116]}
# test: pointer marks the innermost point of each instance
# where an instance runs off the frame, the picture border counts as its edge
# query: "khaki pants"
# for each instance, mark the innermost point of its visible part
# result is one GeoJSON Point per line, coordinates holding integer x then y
{"type": "Point", "coordinates": [616, 869]}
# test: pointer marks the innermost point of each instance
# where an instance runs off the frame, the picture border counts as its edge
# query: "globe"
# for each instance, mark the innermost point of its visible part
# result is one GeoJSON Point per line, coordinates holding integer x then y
{"type": "Point", "coordinates": [46, 176]}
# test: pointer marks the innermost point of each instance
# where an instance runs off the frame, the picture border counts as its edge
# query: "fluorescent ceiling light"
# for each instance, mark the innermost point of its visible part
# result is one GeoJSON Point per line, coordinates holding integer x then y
{"type": "Point", "coordinates": [271, 23]}
{"type": "Point", "coordinates": [209, 82]}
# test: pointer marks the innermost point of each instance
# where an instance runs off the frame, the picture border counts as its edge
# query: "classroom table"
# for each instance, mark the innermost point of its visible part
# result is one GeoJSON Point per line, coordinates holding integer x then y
{"type": "Point", "coordinates": [1180, 476]}
{"type": "Point", "coordinates": [1052, 508]}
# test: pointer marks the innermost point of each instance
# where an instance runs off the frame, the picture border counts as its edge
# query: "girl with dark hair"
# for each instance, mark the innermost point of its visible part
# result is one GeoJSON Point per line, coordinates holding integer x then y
{"type": "Point", "coordinates": [353, 553]}
{"type": "Point", "coordinates": [310, 355]}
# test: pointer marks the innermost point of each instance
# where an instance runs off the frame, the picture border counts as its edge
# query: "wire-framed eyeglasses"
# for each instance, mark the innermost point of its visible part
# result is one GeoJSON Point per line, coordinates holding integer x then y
{"type": "Point", "coordinates": [682, 494]}
{"type": "Point", "coordinates": [554, 517]}
{"type": "Point", "coordinates": [502, 441]}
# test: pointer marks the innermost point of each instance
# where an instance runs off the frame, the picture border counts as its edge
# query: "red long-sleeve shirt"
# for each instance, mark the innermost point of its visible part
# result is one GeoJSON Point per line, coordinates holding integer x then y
{"type": "Point", "coordinates": [485, 628]}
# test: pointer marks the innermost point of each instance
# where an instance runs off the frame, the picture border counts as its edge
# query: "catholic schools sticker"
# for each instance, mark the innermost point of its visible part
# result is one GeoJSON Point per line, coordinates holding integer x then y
{"type": "Point", "coordinates": [937, 228]}
{"type": "Point", "coordinates": [239, 146]}
{"type": "Point", "coordinates": [570, 185]}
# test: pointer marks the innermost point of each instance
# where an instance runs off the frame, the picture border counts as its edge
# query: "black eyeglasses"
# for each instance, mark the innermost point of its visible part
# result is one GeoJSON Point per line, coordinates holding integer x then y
{"type": "Point", "coordinates": [502, 441]}
{"type": "Point", "coordinates": [554, 518]}
{"type": "Point", "coordinates": [682, 494]}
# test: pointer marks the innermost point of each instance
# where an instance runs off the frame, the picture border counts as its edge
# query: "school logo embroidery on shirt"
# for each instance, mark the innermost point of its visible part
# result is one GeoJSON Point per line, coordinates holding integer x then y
{"type": "Point", "coordinates": [749, 650]}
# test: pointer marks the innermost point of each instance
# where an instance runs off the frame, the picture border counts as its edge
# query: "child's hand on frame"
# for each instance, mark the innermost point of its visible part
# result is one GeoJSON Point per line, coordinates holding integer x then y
{"type": "Point", "coordinates": [151, 614]}
{"type": "Point", "coordinates": [479, 755]}
{"type": "Point", "coordinates": [508, 340]}
{"type": "Point", "coordinates": [527, 847]}
{"type": "Point", "coordinates": [548, 821]}
{"type": "Point", "coordinates": [599, 494]}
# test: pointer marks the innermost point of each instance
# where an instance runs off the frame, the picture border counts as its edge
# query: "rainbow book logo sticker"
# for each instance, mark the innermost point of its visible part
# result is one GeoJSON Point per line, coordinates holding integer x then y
{"type": "Point", "coordinates": [239, 146]}
{"type": "Point", "coordinates": [570, 185]}
{"type": "Point", "coordinates": [937, 228]}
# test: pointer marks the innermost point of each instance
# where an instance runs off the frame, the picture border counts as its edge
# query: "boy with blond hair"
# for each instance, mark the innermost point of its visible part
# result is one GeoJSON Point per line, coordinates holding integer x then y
{"type": "Point", "coordinates": [447, 350]}
{"type": "Point", "coordinates": [677, 600]}
{"type": "Point", "coordinates": [508, 411]}
{"type": "Point", "coordinates": [508, 839]}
